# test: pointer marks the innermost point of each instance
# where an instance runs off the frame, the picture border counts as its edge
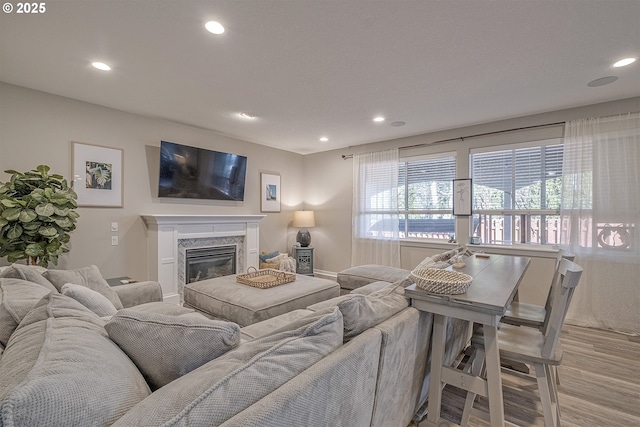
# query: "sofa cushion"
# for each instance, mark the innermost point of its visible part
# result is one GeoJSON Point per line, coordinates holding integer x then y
{"type": "Point", "coordinates": [60, 368]}
{"type": "Point", "coordinates": [167, 347]}
{"type": "Point", "coordinates": [91, 299]}
{"type": "Point", "coordinates": [218, 390]}
{"type": "Point", "coordinates": [362, 312]}
{"type": "Point", "coordinates": [266, 327]}
{"type": "Point", "coordinates": [31, 273]}
{"type": "Point", "coordinates": [87, 276]}
{"type": "Point", "coordinates": [355, 277]}
{"type": "Point", "coordinates": [17, 298]}
{"type": "Point", "coordinates": [365, 311]}
{"type": "Point", "coordinates": [161, 307]}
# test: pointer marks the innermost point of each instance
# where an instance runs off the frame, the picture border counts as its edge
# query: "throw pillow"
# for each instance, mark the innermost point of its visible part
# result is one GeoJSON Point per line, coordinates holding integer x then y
{"type": "Point", "coordinates": [32, 273]}
{"type": "Point", "coordinates": [60, 368]}
{"type": "Point", "coordinates": [91, 299]}
{"type": "Point", "coordinates": [218, 390]}
{"type": "Point", "coordinates": [87, 276]}
{"type": "Point", "coordinates": [167, 347]}
{"type": "Point", "coordinates": [17, 298]}
{"type": "Point", "coordinates": [362, 312]}
{"type": "Point", "coordinates": [265, 257]}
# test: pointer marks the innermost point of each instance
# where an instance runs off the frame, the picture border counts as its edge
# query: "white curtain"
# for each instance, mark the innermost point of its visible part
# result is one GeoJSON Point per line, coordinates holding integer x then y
{"type": "Point", "coordinates": [375, 236]}
{"type": "Point", "coordinates": [600, 213]}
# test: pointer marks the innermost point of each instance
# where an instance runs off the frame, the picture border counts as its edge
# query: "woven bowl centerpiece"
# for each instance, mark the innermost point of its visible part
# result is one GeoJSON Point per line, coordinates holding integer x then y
{"type": "Point", "coordinates": [439, 281]}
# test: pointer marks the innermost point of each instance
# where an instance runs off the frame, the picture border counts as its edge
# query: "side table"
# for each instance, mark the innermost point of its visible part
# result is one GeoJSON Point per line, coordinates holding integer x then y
{"type": "Point", "coordinates": [304, 260]}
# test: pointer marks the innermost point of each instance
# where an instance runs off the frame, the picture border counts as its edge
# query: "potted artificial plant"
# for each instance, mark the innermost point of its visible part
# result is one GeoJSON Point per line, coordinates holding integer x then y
{"type": "Point", "coordinates": [37, 213]}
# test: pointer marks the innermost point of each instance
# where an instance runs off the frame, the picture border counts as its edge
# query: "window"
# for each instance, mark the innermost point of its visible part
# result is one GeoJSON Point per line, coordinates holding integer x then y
{"type": "Point", "coordinates": [516, 193]}
{"type": "Point", "coordinates": [425, 196]}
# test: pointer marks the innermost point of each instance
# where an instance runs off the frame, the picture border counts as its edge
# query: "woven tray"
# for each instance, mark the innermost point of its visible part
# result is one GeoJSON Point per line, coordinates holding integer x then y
{"type": "Point", "coordinates": [441, 281]}
{"type": "Point", "coordinates": [266, 278]}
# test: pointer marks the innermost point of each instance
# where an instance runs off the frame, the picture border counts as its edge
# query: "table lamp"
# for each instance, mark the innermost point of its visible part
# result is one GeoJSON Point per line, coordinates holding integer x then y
{"type": "Point", "coordinates": [303, 220]}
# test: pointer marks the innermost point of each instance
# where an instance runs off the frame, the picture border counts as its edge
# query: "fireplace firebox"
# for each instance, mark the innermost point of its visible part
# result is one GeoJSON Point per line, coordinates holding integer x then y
{"type": "Point", "coordinates": [209, 262]}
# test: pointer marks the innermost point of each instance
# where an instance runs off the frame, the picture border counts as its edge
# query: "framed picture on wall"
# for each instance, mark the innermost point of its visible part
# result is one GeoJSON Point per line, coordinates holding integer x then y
{"type": "Point", "coordinates": [97, 175]}
{"type": "Point", "coordinates": [269, 192]}
{"type": "Point", "coordinates": [462, 197]}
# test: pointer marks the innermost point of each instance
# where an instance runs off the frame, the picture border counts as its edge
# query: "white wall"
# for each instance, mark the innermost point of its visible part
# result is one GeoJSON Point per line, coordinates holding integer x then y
{"type": "Point", "coordinates": [37, 128]}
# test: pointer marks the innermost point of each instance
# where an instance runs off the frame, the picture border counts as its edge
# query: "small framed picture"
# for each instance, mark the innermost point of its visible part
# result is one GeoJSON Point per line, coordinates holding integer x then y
{"type": "Point", "coordinates": [97, 175]}
{"type": "Point", "coordinates": [462, 197]}
{"type": "Point", "coordinates": [269, 192]}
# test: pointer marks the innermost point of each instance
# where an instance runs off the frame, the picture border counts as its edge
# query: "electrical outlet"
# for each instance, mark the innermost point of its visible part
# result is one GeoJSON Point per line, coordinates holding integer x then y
{"type": "Point", "coordinates": [114, 226]}
{"type": "Point", "coordinates": [114, 240]}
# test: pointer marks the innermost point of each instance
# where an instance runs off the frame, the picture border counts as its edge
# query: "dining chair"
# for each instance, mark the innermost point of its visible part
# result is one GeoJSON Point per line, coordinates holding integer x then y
{"type": "Point", "coordinates": [532, 346]}
{"type": "Point", "coordinates": [534, 315]}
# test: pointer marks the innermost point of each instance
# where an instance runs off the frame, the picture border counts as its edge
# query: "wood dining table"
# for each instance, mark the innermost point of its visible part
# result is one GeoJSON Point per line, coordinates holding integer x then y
{"type": "Point", "coordinates": [495, 282]}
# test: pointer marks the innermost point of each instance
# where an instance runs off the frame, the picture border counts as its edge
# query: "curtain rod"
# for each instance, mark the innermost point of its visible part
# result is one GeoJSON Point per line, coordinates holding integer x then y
{"type": "Point", "coordinates": [462, 138]}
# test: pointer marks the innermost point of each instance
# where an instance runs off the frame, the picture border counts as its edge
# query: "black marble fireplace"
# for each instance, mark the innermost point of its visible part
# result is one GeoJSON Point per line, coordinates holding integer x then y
{"type": "Point", "coordinates": [209, 262]}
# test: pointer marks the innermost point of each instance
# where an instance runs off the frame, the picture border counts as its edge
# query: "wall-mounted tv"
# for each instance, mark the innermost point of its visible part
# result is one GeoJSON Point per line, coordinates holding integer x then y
{"type": "Point", "coordinates": [196, 173]}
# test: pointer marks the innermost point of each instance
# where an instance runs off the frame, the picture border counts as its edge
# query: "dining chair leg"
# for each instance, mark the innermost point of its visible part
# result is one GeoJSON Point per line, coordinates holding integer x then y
{"type": "Point", "coordinates": [477, 369]}
{"type": "Point", "coordinates": [551, 372]}
{"type": "Point", "coordinates": [545, 395]}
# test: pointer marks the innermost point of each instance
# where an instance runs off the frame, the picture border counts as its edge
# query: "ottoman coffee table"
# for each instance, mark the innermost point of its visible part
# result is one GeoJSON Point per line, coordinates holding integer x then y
{"type": "Point", "coordinates": [225, 298]}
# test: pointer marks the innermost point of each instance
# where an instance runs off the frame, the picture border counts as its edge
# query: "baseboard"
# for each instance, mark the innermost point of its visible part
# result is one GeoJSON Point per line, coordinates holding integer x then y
{"type": "Point", "coordinates": [172, 298]}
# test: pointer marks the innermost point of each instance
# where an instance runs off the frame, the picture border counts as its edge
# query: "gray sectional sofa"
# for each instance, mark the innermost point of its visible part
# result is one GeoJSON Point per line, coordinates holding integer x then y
{"type": "Point", "coordinates": [356, 360]}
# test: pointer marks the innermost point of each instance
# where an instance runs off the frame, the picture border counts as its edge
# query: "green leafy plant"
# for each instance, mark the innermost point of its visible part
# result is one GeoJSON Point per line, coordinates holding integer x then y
{"type": "Point", "coordinates": [37, 213]}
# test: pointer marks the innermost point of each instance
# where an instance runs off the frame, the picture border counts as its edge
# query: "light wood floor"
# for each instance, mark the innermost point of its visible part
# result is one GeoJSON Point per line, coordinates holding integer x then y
{"type": "Point", "coordinates": [599, 385]}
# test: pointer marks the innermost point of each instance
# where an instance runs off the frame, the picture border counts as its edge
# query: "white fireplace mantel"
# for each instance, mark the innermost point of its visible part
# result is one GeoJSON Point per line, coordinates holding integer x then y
{"type": "Point", "coordinates": [166, 230]}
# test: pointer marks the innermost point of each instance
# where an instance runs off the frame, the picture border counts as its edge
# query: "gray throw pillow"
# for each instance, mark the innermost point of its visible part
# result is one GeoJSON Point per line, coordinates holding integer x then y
{"type": "Point", "coordinates": [32, 273]}
{"type": "Point", "coordinates": [91, 299]}
{"type": "Point", "coordinates": [87, 276]}
{"type": "Point", "coordinates": [17, 298]}
{"type": "Point", "coordinates": [218, 390]}
{"type": "Point", "coordinates": [167, 347]}
{"type": "Point", "coordinates": [362, 312]}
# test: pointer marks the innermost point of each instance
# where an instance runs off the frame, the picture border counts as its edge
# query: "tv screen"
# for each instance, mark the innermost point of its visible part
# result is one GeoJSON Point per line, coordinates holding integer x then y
{"type": "Point", "coordinates": [197, 173]}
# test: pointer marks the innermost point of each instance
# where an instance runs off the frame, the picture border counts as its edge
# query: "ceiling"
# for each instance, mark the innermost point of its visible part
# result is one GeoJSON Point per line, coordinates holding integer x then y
{"type": "Point", "coordinates": [313, 68]}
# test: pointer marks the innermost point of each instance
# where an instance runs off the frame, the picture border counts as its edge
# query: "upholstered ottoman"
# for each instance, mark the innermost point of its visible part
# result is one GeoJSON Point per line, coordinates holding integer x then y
{"type": "Point", "coordinates": [224, 298]}
{"type": "Point", "coordinates": [355, 277]}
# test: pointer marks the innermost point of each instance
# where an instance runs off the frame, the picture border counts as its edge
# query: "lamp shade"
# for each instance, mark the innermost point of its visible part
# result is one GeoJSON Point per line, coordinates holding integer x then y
{"type": "Point", "coordinates": [304, 219]}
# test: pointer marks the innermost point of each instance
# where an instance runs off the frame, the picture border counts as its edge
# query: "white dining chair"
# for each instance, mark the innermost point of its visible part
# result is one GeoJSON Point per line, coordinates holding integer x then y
{"type": "Point", "coordinates": [532, 346]}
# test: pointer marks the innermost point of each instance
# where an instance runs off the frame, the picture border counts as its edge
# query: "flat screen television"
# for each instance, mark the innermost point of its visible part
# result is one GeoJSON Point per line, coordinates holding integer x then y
{"type": "Point", "coordinates": [197, 173]}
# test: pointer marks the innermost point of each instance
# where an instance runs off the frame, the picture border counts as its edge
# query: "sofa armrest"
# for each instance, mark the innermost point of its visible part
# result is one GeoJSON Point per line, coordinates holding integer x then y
{"type": "Point", "coordinates": [138, 293]}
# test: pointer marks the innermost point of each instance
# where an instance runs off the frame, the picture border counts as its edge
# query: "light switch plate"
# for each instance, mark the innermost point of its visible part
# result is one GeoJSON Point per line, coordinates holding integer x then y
{"type": "Point", "coordinates": [114, 240]}
{"type": "Point", "coordinates": [114, 226]}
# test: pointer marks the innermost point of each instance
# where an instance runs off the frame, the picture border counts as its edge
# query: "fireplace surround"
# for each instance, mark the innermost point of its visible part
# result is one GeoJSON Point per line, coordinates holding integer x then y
{"type": "Point", "coordinates": [170, 236]}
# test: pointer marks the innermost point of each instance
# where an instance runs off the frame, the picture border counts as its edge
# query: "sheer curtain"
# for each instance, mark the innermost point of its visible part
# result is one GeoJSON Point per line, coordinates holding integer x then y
{"type": "Point", "coordinates": [375, 236]}
{"type": "Point", "coordinates": [600, 214]}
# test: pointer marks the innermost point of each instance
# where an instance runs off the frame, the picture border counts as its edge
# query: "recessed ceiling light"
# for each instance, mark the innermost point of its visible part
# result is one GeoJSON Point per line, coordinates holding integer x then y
{"type": "Point", "coordinates": [624, 62]}
{"type": "Point", "coordinates": [378, 119]}
{"type": "Point", "coordinates": [247, 116]}
{"type": "Point", "coordinates": [324, 139]}
{"type": "Point", "coordinates": [397, 123]}
{"type": "Point", "coordinates": [602, 81]}
{"type": "Point", "coordinates": [214, 27]}
{"type": "Point", "coordinates": [101, 66]}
